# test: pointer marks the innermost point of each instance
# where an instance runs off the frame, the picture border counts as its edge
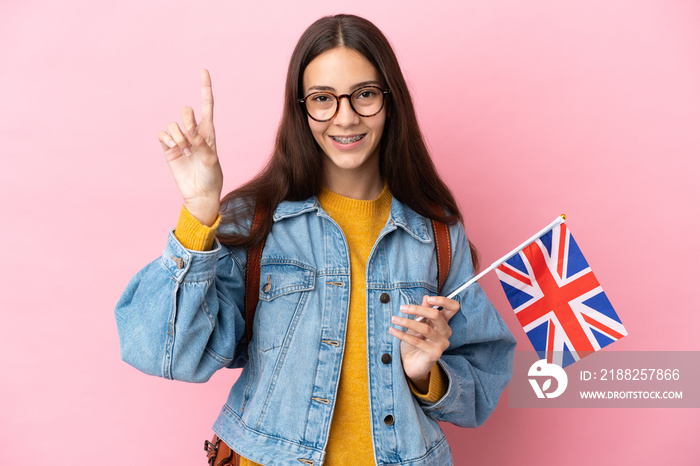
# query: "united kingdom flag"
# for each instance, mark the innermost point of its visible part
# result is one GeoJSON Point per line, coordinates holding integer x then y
{"type": "Point", "coordinates": [558, 300]}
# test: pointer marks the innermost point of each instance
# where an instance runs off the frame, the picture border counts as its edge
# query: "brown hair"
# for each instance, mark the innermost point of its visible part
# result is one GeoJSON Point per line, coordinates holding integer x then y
{"type": "Point", "coordinates": [294, 170]}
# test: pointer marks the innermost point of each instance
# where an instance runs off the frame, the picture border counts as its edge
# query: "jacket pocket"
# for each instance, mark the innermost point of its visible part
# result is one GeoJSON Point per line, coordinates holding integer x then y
{"type": "Point", "coordinates": [413, 294]}
{"type": "Point", "coordinates": [284, 289]}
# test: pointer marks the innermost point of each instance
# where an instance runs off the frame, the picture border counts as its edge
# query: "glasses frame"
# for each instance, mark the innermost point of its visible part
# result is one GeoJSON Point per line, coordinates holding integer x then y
{"type": "Point", "coordinates": [348, 96]}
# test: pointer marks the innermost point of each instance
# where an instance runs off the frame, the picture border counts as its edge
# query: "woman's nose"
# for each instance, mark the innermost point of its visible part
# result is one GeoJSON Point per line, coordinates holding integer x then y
{"type": "Point", "coordinates": [346, 116]}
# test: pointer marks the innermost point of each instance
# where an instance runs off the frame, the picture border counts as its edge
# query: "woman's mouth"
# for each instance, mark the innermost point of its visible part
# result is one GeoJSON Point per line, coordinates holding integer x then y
{"type": "Point", "coordinates": [348, 140]}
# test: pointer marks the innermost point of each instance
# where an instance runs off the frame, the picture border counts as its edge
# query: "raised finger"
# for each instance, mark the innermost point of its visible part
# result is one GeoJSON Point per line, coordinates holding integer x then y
{"type": "Point", "coordinates": [179, 138]}
{"type": "Point", "coordinates": [188, 119]}
{"type": "Point", "coordinates": [207, 97]}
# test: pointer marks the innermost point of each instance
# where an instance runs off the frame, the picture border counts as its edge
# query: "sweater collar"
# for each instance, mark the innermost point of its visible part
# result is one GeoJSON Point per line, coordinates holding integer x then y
{"type": "Point", "coordinates": [336, 203]}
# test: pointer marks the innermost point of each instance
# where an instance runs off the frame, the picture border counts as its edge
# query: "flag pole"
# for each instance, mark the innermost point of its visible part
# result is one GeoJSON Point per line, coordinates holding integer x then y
{"type": "Point", "coordinates": [559, 220]}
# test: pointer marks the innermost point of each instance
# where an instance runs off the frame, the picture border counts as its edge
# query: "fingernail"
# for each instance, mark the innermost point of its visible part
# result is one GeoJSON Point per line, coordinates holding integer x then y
{"type": "Point", "coordinates": [394, 319]}
{"type": "Point", "coordinates": [192, 132]}
{"type": "Point", "coordinates": [186, 151]}
{"type": "Point", "coordinates": [171, 144]}
{"type": "Point", "coordinates": [431, 299]}
{"type": "Point", "coordinates": [404, 308]}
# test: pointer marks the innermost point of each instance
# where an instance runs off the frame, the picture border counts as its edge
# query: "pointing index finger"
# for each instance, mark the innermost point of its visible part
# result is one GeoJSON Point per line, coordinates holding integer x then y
{"type": "Point", "coordinates": [207, 96]}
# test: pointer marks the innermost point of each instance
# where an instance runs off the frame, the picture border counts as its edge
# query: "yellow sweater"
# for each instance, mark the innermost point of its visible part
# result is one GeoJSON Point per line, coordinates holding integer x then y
{"type": "Point", "coordinates": [350, 439]}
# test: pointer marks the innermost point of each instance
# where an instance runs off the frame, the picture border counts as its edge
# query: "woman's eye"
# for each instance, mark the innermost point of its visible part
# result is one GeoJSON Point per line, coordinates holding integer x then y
{"type": "Point", "coordinates": [366, 94]}
{"type": "Point", "coordinates": [321, 99]}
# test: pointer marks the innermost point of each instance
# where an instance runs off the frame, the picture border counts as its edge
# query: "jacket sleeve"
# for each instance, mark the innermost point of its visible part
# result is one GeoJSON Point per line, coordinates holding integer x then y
{"type": "Point", "coordinates": [479, 361]}
{"type": "Point", "coordinates": [181, 317]}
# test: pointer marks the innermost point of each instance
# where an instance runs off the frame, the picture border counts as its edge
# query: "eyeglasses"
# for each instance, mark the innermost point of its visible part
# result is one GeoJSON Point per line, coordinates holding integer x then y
{"type": "Point", "coordinates": [365, 101]}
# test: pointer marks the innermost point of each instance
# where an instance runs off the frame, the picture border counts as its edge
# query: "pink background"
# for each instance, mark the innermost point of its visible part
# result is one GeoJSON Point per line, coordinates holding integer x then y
{"type": "Point", "coordinates": [531, 109]}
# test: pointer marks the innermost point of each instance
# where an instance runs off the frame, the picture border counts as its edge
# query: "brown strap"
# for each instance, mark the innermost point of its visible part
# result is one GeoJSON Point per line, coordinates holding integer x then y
{"type": "Point", "coordinates": [220, 454]}
{"type": "Point", "coordinates": [252, 274]}
{"type": "Point", "coordinates": [443, 247]}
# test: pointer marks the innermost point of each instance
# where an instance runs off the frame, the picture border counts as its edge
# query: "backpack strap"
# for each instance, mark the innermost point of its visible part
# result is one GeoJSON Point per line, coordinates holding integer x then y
{"type": "Point", "coordinates": [443, 248]}
{"type": "Point", "coordinates": [252, 274]}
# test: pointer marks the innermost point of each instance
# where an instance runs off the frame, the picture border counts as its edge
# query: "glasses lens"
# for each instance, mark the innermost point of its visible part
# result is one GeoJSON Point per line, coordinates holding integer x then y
{"type": "Point", "coordinates": [368, 101]}
{"type": "Point", "coordinates": [321, 105]}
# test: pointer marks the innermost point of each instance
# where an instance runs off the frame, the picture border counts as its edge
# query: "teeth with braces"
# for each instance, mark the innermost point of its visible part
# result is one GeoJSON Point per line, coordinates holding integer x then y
{"type": "Point", "coordinates": [347, 140]}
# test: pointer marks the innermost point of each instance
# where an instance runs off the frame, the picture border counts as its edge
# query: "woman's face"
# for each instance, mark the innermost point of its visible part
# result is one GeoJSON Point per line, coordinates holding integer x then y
{"type": "Point", "coordinates": [350, 142]}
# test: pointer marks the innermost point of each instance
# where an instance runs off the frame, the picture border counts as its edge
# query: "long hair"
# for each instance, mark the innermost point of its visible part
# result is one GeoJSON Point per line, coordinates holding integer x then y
{"type": "Point", "coordinates": [295, 168]}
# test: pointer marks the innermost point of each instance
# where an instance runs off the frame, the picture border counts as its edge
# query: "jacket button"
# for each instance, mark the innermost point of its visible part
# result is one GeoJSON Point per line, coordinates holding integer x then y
{"type": "Point", "coordinates": [386, 358]}
{"type": "Point", "coordinates": [384, 298]}
{"type": "Point", "coordinates": [389, 419]}
{"type": "Point", "coordinates": [179, 262]}
{"type": "Point", "coordinates": [268, 285]}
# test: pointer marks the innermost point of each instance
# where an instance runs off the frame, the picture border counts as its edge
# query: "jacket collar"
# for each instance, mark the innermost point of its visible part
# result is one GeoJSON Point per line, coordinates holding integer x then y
{"type": "Point", "coordinates": [415, 225]}
{"type": "Point", "coordinates": [400, 216]}
{"type": "Point", "coordinates": [288, 209]}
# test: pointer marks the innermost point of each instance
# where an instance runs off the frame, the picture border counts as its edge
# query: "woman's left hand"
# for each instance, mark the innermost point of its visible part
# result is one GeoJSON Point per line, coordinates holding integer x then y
{"type": "Point", "coordinates": [424, 342]}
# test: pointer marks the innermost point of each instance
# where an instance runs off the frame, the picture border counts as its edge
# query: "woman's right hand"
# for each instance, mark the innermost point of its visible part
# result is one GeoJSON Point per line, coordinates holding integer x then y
{"type": "Point", "coordinates": [191, 156]}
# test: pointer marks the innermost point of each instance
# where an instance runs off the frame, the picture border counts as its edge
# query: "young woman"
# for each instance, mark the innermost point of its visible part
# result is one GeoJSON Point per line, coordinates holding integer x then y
{"type": "Point", "coordinates": [339, 369]}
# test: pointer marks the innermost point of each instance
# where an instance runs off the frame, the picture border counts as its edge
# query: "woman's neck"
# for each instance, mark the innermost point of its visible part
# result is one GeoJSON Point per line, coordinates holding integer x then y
{"type": "Point", "coordinates": [364, 185]}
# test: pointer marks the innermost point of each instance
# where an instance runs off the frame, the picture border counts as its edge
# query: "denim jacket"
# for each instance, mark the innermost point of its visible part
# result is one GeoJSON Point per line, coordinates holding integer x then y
{"type": "Point", "coordinates": [182, 317]}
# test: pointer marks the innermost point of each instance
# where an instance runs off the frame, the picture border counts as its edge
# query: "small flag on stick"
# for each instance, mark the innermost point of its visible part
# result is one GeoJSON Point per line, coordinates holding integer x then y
{"type": "Point", "coordinates": [557, 299]}
{"type": "Point", "coordinates": [555, 296]}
